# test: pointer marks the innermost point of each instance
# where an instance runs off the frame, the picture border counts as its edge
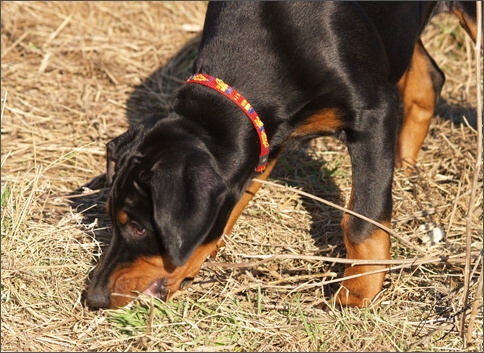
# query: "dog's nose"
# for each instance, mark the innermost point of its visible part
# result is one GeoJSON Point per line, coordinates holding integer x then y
{"type": "Point", "coordinates": [97, 298]}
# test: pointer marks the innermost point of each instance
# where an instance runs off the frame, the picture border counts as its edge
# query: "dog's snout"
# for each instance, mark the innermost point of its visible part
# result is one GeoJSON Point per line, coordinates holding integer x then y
{"type": "Point", "coordinates": [97, 298]}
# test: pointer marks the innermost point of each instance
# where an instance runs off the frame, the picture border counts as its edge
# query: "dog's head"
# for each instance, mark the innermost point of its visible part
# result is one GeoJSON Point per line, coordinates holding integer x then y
{"type": "Point", "coordinates": [168, 206]}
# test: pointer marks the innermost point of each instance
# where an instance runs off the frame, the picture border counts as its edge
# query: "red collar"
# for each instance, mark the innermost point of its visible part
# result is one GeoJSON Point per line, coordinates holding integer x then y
{"type": "Point", "coordinates": [220, 86]}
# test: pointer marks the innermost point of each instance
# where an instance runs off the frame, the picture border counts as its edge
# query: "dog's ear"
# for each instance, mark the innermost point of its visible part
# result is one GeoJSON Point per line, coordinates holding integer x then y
{"type": "Point", "coordinates": [119, 146]}
{"type": "Point", "coordinates": [187, 197]}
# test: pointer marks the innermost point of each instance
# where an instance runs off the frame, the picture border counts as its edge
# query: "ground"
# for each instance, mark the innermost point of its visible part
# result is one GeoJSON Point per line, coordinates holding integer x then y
{"type": "Point", "coordinates": [77, 74]}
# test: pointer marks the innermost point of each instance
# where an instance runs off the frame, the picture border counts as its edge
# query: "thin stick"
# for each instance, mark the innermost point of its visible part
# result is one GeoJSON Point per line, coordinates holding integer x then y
{"type": "Point", "coordinates": [4, 103]}
{"type": "Point", "coordinates": [17, 42]}
{"type": "Point", "coordinates": [57, 31]}
{"type": "Point", "coordinates": [475, 306]}
{"type": "Point", "coordinates": [149, 324]}
{"type": "Point", "coordinates": [351, 262]}
{"type": "Point", "coordinates": [475, 179]}
{"type": "Point", "coordinates": [399, 263]}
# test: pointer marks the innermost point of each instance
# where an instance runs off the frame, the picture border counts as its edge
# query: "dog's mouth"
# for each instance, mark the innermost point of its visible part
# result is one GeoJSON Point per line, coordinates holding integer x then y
{"type": "Point", "coordinates": [159, 288]}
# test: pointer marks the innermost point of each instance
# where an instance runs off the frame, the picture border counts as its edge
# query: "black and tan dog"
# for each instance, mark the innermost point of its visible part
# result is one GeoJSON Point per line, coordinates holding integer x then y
{"type": "Point", "coordinates": [270, 74]}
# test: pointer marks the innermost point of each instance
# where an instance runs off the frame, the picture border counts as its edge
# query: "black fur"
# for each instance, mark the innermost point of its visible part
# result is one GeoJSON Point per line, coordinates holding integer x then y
{"type": "Point", "coordinates": [181, 175]}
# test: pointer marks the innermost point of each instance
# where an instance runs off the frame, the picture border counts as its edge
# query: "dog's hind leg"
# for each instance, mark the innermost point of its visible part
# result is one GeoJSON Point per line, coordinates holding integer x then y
{"type": "Point", "coordinates": [420, 89]}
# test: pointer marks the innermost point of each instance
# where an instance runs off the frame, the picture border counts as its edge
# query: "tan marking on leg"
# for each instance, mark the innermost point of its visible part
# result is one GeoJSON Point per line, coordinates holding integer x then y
{"type": "Point", "coordinates": [325, 121]}
{"type": "Point", "coordinates": [360, 292]}
{"type": "Point", "coordinates": [419, 100]}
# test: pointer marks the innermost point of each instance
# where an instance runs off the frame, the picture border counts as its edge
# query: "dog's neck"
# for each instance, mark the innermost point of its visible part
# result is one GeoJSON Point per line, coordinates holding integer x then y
{"type": "Point", "coordinates": [232, 94]}
{"type": "Point", "coordinates": [223, 128]}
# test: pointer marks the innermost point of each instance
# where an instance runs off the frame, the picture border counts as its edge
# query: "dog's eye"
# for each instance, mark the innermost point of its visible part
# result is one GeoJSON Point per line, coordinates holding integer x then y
{"type": "Point", "coordinates": [137, 229]}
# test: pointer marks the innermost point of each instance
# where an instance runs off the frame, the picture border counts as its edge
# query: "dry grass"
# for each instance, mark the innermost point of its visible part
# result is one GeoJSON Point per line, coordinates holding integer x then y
{"type": "Point", "coordinates": [74, 75]}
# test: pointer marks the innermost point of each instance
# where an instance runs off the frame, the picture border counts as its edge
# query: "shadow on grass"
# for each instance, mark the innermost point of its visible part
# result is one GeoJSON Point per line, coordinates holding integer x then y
{"type": "Point", "coordinates": [456, 114]}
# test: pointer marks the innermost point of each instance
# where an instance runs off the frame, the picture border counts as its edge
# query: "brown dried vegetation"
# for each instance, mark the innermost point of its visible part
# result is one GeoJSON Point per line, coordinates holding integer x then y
{"type": "Point", "coordinates": [76, 74]}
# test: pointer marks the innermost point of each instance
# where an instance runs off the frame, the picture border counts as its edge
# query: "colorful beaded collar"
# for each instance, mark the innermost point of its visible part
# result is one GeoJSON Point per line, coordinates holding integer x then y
{"type": "Point", "coordinates": [220, 86]}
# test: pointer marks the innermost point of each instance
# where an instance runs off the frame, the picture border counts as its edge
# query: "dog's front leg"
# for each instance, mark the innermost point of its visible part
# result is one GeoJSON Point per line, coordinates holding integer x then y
{"type": "Point", "coordinates": [371, 144]}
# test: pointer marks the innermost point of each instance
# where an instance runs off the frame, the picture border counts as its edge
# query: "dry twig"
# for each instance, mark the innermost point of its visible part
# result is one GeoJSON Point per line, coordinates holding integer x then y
{"type": "Point", "coordinates": [475, 179]}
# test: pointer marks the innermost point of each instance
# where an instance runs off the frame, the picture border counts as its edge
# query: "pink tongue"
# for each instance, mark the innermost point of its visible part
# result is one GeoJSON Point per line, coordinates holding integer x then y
{"type": "Point", "coordinates": [158, 289]}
